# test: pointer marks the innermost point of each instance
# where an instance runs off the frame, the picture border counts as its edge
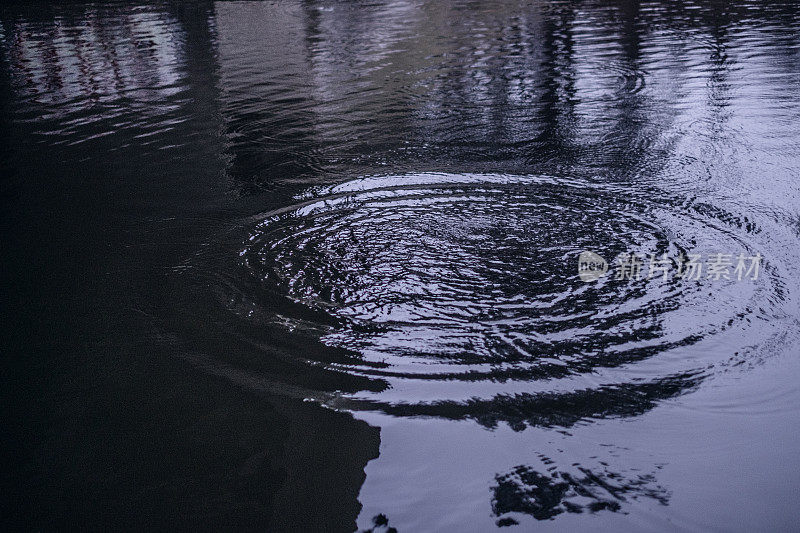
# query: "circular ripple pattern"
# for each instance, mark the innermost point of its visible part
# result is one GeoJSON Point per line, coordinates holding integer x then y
{"type": "Point", "coordinates": [460, 294]}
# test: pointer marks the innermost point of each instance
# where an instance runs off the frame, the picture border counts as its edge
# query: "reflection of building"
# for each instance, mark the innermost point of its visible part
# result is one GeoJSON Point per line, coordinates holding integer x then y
{"type": "Point", "coordinates": [520, 85]}
{"type": "Point", "coordinates": [347, 75]}
{"type": "Point", "coordinates": [134, 57]}
{"type": "Point", "coordinates": [319, 88]}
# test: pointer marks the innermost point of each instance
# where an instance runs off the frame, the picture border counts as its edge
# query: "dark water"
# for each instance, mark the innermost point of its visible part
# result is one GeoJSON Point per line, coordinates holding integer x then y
{"type": "Point", "coordinates": [312, 266]}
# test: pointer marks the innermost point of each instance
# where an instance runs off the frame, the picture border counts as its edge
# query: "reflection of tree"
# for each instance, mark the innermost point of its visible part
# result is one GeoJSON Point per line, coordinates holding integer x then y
{"type": "Point", "coordinates": [380, 524]}
{"type": "Point", "coordinates": [545, 495]}
{"type": "Point", "coordinates": [555, 111]}
{"type": "Point", "coordinates": [719, 88]}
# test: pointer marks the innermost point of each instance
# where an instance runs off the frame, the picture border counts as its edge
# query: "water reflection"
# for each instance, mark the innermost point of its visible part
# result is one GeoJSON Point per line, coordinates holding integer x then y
{"type": "Point", "coordinates": [97, 66]}
{"type": "Point", "coordinates": [459, 294]}
{"type": "Point", "coordinates": [546, 495]}
{"type": "Point", "coordinates": [378, 208]}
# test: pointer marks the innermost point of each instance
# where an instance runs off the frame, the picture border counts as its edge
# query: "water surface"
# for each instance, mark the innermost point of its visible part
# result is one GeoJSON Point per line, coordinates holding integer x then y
{"type": "Point", "coordinates": [313, 265]}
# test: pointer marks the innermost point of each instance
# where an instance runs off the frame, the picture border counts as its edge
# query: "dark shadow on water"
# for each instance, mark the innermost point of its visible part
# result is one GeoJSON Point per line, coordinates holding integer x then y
{"type": "Point", "coordinates": [545, 495]}
{"type": "Point", "coordinates": [551, 410]}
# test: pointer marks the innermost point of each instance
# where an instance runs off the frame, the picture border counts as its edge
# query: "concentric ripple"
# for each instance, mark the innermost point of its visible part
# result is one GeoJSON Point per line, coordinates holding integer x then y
{"type": "Point", "coordinates": [460, 296]}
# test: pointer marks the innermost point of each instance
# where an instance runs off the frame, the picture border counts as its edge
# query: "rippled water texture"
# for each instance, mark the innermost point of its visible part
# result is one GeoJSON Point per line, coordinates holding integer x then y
{"type": "Point", "coordinates": [314, 265]}
{"type": "Point", "coordinates": [459, 294]}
